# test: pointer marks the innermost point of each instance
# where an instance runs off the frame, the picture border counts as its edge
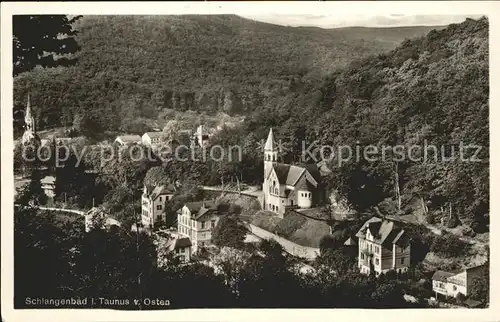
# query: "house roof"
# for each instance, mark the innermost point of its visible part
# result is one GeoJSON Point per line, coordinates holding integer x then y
{"type": "Point", "coordinates": [472, 303]}
{"type": "Point", "coordinates": [161, 190]}
{"type": "Point", "coordinates": [154, 134]}
{"type": "Point", "coordinates": [182, 243]}
{"type": "Point", "coordinates": [129, 138]}
{"type": "Point", "coordinates": [199, 208]}
{"type": "Point", "coordinates": [385, 232]}
{"type": "Point", "coordinates": [441, 276]}
{"type": "Point", "coordinates": [172, 241]}
{"type": "Point", "coordinates": [48, 180]}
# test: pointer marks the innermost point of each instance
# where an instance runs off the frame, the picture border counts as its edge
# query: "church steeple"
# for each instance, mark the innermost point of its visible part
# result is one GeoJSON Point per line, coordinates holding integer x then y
{"type": "Point", "coordinates": [270, 154]}
{"type": "Point", "coordinates": [270, 144]}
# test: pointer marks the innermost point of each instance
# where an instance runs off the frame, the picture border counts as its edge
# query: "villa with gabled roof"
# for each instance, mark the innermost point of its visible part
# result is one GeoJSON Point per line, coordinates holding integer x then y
{"type": "Point", "coordinates": [288, 186]}
{"type": "Point", "coordinates": [197, 220]}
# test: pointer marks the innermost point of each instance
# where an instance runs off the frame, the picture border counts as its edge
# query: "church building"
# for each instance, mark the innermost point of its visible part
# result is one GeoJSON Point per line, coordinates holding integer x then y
{"type": "Point", "coordinates": [288, 186]}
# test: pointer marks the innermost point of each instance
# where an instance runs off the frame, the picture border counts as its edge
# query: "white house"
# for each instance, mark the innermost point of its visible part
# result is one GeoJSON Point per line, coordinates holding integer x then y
{"type": "Point", "coordinates": [383, 246]}
{"type": "Point", "coordinates": [288, 186]}
{"type": "Point", "coordinates": [48, 185]}
{"type": "Point", "coordinates": [128, 139]}
{"type": "Point", "coordinates": [196, 220]}
{"type": "Point", "coordinates": [152, 139]}
{"type": "Point", "coordinates": [153, 204]}
{"type": "Point", "coordinates": [450, 284]}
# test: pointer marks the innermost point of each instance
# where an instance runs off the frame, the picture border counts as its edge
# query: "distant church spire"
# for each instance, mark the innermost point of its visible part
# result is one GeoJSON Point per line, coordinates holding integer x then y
{"type": "Point", "coordinates": [28, 117]}
{"type": "Point", "coordinates": [29, 129]}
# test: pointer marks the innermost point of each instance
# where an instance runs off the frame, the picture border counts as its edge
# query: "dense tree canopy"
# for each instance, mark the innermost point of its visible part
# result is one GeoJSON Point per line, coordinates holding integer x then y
{"type": "Point", "coordinates": [43, 40]}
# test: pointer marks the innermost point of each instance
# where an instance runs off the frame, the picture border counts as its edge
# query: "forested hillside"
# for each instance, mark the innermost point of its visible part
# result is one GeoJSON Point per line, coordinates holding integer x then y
{"type": "Point", "coordinates": [431, 91]}
{"type": "Point", "coordinates": [132, 67]}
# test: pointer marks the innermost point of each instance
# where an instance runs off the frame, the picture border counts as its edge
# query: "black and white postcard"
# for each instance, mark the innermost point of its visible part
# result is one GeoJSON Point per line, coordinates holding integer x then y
{"type": "Point", "coordinates": [164, 161]}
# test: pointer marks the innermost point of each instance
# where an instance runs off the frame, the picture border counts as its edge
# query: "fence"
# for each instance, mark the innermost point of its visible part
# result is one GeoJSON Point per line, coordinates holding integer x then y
{"type": "Point", "coordinates": [292, 248]}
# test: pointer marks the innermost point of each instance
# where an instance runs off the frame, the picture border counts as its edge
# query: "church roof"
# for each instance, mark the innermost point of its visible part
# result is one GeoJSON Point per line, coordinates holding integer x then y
{"type": "Point", "coordinates": [270, 144]}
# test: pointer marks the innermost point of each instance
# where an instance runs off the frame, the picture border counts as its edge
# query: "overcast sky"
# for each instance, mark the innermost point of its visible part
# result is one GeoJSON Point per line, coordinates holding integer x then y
{"type": "Point", "coordinates": [331, 21]}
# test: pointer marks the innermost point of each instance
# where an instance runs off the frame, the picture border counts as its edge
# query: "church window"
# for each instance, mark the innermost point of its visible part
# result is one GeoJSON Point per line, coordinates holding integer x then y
{"type": "Point", "coordinates": [276, 208]}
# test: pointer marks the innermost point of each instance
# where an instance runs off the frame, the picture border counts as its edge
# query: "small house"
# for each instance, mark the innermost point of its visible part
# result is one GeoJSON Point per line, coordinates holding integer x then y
{"type": "Point", "coordinates": [197, 220]}
{"type": "Point", "coordinates": [450, 284]}
{"type": "Point", "coordinates": [383, 246]}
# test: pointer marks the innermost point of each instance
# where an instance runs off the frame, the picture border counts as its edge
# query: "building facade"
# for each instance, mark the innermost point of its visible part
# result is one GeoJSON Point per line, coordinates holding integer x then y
{"type": "Point", "coordinates": [197, 220]}
{"type": "Point", "coordinates": [153, 204]}
{"type": "Point", "coordinates": [450, 284]}
{"type": "Point", "coordinates": [382, 246]}
{"type": "Point", "coordinates": [288, 186]}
